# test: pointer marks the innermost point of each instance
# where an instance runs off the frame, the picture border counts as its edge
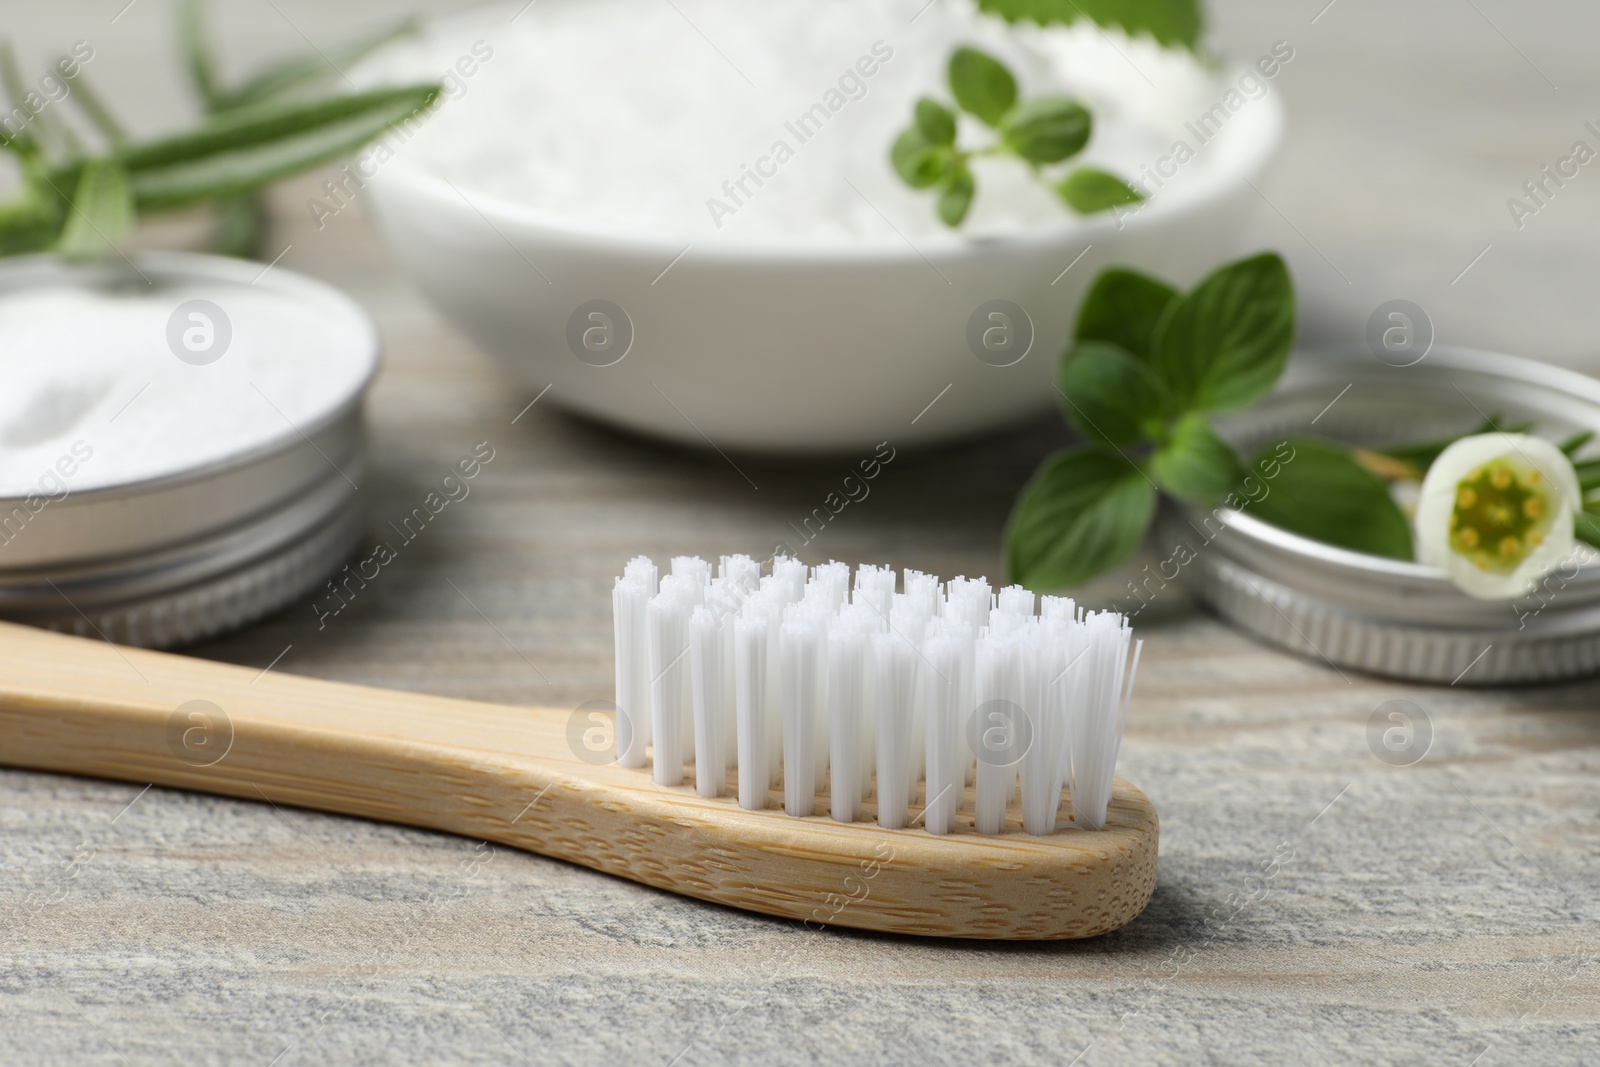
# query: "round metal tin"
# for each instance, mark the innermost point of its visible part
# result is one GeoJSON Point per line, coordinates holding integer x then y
{"type": "Point", "coordinates": [188, 554]}
{"type": "Point", "coordinates": [1386, 616]}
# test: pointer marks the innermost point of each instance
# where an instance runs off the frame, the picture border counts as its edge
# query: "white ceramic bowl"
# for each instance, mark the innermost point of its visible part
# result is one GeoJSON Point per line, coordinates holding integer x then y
{"type": "Point", "coordinates": [791, 350]}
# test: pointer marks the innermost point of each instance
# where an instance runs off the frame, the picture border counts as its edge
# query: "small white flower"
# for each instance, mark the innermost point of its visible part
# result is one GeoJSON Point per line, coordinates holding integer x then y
{"type": "Point", "coordinates": [1496, 512]}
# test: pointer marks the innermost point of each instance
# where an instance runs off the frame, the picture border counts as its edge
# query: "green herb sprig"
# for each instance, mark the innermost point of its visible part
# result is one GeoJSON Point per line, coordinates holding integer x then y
{"type": "Point", "coordinates": [1044, 131]}
{"type": "Point", "coordinates": [1147, 369]}
{"type": "Point", "coordinates": [80, 201]}
{"type": "Point", "coordinates": [241, 218]}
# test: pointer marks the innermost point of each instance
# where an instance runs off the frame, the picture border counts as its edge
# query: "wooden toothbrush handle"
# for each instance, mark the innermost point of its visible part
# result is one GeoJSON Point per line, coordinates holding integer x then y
{"type": "Point", "coordinates": [511, 775]}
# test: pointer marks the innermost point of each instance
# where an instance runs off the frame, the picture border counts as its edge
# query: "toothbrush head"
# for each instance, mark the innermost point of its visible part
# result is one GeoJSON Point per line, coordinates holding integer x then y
{"type": "Point", "coordinates": [961, 730]}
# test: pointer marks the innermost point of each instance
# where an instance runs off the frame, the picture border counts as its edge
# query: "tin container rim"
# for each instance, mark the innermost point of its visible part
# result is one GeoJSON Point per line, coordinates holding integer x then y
{"type": "Point", "coordinates": [21, 272]}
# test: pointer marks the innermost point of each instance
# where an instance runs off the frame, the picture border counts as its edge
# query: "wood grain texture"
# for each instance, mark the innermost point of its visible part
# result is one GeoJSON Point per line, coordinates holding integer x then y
{"type": "Point", "coordinates": [512, 775]}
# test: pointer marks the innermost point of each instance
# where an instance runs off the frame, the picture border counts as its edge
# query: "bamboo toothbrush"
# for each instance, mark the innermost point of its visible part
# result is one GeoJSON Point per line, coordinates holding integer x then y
{"type": "Point", "coordinates": [818, 720]}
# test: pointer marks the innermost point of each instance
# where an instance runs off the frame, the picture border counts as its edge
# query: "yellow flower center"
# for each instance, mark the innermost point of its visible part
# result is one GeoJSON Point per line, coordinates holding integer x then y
{"type": "Point", "coordinates": [1502, 513]}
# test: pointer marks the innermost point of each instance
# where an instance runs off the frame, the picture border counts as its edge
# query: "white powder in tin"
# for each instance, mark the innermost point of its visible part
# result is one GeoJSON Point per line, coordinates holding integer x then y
{"type": "Point", "coordinates": [93, 365]}
{"type": "Point", "coordinates": [631, 115]}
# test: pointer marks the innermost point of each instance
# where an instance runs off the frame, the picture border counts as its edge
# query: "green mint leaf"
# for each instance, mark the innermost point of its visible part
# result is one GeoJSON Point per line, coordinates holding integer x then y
{"type": "Point", "coordinates": [955, 196]}
{"type": "Point", "coordinates": [311, 69]}
{"type": "Point", "coordinates": [1122, 308]}
{"type": "Point", "coordinates": [1223, 344]}
{"type": "Point", "coordinates": [1083, 512]}
{"type": "Point", "coordinates": [1087, 191]}
{"type": "Point", "coordinates": [935, 122]}
{"type": "Point", "coordinates": [238, 151]}
{"type": "Point", "coordinates": [1195, 464]}
{"type": "Point", "coordinates": [1324, 494]}
{"type": "Point", "coordinates": [1170, 22]}
{"type": "Point", "coordinates": [1047, 130]}
{"type": "Point", "coordinates": [920, 163]}
{"type": "Point", "coordinates": [1111, 396]}
{"type": "Point", "coordinates": [982, 85]}
{"type": "Point", "coordinates": [101, 212]}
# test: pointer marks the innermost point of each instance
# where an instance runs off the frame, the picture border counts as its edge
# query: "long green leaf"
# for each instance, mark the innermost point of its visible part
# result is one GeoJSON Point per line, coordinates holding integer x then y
{"type": "Point", "coordinates": [268, 123]}
{"type": "Point", "coordinates": [95, 109]}
{"type": "Point", "coordinates": [197, 52]}
{"type": "Point", "coordinates": [1421, 454]}
{"type": "Point", "coordinates": [1572, 444]}
{"type": "Point", "coordinates": [1588, 471]}
{"type": "Point", "coordinates": [1586, 525]}
{"type": "Point", "coordinates": [102, 211]}
{"type": "Point", "coordinates": [306, 70]}
{"type": "Point", "coordinates": [247, 149]}
{"type": "Point", "coordinates": [26, 140]}
{"type": "Point", "coordinates": [11, 75]}
{"type": "Point", "coordinates": [1171, 22]}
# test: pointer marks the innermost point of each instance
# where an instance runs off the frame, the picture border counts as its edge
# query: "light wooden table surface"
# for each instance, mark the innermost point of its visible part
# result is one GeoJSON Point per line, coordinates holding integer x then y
{"type": "Point", "coordinates": [1315, 905]}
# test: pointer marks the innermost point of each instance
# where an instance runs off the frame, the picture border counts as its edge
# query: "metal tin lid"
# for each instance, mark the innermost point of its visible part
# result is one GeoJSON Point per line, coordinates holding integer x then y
{"type": "Point", "coordinates": [1388, 616]}
{"type": "Point", "coordinates": [180, 441]}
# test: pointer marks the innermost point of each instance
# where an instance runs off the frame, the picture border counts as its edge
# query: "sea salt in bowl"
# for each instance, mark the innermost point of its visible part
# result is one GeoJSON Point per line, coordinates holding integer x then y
{"type": "Point", "coordinates": [680, 218]}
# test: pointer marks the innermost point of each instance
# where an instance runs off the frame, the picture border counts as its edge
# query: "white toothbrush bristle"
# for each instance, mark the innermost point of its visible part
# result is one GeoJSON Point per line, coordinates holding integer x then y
{"type": "Point", "coordinates": [872, 700]}
{"type": "Point", "coordinates": [750, 699]}
{"type": "Point", "coordinates": [707, 672]}
{"type": "Point", "coordinates": [669, 644]}
{"type": "Point", "coordinates": [799, 699]}
{"type": "Point", "coordinates": [630, 601]}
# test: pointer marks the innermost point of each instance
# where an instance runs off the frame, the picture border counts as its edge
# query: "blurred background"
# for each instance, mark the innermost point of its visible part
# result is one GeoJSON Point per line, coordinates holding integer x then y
{"type": "Point", "coordinates": [1410, 126]}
